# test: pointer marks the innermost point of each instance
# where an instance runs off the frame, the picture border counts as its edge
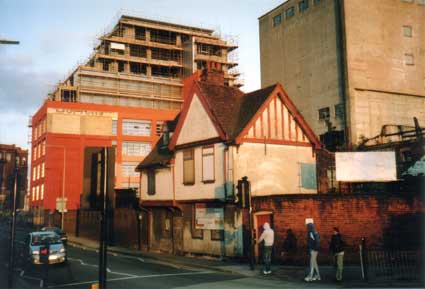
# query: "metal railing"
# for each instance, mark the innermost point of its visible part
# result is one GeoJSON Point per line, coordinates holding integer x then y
{"type": "Point", "coordinates": [391, 265]}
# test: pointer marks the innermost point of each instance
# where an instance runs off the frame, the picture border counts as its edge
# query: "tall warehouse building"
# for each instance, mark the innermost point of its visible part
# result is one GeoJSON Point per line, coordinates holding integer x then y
{"type": "Point", "coordinates": [120, 97]}
{"type": "Point", "coordinates": [352, 66]}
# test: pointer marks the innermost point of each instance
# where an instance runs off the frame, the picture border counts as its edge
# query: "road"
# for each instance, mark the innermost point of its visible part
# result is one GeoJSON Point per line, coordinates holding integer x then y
{"type": "Point", "coordinates": [81, 271]}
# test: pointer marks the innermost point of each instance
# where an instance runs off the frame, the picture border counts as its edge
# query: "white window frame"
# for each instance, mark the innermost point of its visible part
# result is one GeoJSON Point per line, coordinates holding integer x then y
{"type": "Point", "coordinates": [136, 127]}
{"type": "Point", "coordinates": [133, 148]}
{"type": "Point", "coordinates": [128, 169]}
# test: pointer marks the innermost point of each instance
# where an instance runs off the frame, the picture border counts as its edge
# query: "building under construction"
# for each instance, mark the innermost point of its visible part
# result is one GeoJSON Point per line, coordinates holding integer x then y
{"type": "Point", "coordinates": [142, 63]}
{"type": "Point", "coordinates": [119, 98]}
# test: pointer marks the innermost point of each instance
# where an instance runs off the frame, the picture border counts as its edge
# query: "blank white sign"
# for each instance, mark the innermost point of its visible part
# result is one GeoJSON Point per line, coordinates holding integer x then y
{"type": "Point", "coordinates": [365, 166]}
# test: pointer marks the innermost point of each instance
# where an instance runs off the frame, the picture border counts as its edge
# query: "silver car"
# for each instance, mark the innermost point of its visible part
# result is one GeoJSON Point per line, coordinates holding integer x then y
{"type": "Point", "coordinates": [38, 240]}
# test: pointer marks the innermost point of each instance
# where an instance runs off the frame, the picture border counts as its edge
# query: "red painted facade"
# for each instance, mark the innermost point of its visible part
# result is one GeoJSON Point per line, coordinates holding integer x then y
{"type": "Point", "coordinates": [54, 149]}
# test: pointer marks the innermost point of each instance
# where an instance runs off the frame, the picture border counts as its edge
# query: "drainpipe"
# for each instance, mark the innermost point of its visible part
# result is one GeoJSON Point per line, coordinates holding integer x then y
{"type": "Point", "coordinates": [342, 63]}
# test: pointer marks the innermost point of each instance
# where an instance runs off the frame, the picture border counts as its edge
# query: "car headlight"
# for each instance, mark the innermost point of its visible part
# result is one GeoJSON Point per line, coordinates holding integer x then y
{"type": "Point", "coordinates": [62, 250]}
{"type": "Point", "coordinates": [35, 252]}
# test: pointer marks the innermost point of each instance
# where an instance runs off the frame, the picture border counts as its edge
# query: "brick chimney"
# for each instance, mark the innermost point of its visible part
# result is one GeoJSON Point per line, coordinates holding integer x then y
{"type": "Point", "coordinates": [213, 73]}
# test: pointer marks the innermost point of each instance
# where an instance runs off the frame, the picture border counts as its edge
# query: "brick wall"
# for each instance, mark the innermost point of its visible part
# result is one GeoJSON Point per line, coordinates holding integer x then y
{"type": "Point", "coordinates": [385, 220]}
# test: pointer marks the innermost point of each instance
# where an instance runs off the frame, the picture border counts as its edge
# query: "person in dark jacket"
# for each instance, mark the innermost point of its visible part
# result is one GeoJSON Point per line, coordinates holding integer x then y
{"type": "Point", "coordinates": [313, 245]}
{"type": "Point", "coordinates": [336, 248]}
{"type": "Point", "coordinates": [289, 246]}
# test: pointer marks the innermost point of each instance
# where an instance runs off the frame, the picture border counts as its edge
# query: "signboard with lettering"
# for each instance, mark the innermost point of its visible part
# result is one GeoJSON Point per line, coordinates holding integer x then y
{"type": "Point", "coordinates": [208, 217]}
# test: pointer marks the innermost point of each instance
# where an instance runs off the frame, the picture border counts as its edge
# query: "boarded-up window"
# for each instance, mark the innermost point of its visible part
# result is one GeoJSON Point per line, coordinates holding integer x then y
{"type": "Point", "coordinates": [217, 235]}
{"type": "Point", "coordinates": [308, 176]}
{"type": "Point", "coordinates": [208, 164]}
{"type": "Point", "coordinates": [188, 167]}
{"type": "Point", "coordinates": [196, 233]}
{"type": "Point", "coordinates": [151, 182]}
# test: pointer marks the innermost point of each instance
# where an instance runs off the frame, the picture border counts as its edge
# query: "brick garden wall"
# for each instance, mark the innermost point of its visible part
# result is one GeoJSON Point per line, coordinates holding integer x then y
{"type": "Point", "coordinates": [386, 220]}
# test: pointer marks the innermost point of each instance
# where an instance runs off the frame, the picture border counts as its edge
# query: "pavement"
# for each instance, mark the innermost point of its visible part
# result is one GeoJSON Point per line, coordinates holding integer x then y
{"type": "Point", "coordinates": [281, 273]}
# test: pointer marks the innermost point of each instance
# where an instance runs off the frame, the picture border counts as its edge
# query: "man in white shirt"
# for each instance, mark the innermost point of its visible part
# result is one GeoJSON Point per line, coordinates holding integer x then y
{"type": "Point", "coordinates": [268, 237]}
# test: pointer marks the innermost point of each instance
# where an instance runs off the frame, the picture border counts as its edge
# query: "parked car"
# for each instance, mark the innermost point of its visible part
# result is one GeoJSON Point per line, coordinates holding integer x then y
{"type": "Point", "coordinates": [37, 240]}
{"type": "Point", "coordinates": [58, 231]}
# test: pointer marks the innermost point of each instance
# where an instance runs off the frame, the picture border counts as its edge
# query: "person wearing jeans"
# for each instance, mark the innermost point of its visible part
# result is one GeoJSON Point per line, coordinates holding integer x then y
{"type": "Point", "coordinates": [313, 245]}
{"type": "Point", "coordinates": [268, 237]}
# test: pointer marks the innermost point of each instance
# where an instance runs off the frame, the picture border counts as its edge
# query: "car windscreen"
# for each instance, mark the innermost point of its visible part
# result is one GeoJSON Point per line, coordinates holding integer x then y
{"type": "Point", "coordinates": [42, 239]}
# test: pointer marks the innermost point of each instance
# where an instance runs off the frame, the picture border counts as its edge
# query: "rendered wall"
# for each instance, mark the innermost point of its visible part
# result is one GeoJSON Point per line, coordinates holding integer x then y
{"type": "Point", "coordinates": [200, 190]}
{"type": "Point", "coordinates": [163, 186]}
{"type": "Point", "coordinates": [272, 169]}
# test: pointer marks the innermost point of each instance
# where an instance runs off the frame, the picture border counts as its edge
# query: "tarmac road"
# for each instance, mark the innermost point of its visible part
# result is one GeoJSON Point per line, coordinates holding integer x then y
{"type": "Point", "coordinates": [81, 271]}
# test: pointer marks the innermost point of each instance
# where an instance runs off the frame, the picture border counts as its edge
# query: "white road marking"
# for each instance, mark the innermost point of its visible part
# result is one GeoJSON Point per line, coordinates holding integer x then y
{"type": "Point", "coordinates": [141, 260]}
{"type": "Point", "coordinates": [133, 277]}
{"type": "Point", "coordinates": [108, 270]}
{"type": "Point", "coordinates": [22, 273]}
{"type": "Point", "coordinates": [82, 262]}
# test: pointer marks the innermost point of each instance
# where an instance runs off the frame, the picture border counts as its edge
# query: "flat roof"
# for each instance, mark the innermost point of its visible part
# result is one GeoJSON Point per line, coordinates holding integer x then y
{"type": "Point", "coordinates": [209, 31]}
{"type": "Point", "coordinates": [275, 8]}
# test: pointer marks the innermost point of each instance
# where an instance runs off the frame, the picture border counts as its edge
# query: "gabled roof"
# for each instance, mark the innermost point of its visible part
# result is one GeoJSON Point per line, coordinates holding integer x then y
{"type": "Point", "coordinates": [231, 110]}
{"type": "Point", "coordinates": [160, 156]}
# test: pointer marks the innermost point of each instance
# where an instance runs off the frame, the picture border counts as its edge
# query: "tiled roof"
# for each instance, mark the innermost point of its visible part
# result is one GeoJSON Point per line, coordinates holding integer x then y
{"type": "Point", "coordinates": [231, 107]}
{"type": "Point", "coordinates": [160, 154]}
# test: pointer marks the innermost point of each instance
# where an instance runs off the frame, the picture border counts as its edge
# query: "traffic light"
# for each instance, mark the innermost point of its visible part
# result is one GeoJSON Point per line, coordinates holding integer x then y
{"type": "Point", "coordinates": [242, 196]}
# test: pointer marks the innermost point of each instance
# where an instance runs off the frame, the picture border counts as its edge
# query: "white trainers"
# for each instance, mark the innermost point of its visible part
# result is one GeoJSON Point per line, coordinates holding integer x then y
{"type": "Point", "coordinates": [317, 278]}
{"type": "Point", "coordinates": [308, 279]}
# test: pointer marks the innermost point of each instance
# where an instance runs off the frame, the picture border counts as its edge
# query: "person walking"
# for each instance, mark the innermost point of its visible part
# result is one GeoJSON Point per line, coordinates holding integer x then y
{"type": "Point", "coordinates": [289, 247]}
{"type": "Point", "coordinates": [313, 245]}
{"type": "Point", "coordinates": [268, 237]}
{"type": "Point", "coordinates": [336, 248]}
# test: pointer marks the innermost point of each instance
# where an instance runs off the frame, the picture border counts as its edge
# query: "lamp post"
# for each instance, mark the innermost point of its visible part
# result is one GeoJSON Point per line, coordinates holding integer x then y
{"type": "Point", "coordinates": [13, 224]}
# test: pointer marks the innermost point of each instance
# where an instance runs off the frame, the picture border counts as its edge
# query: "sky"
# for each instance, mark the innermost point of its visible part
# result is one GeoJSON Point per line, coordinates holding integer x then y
{"type": "Point", "coordinates": [57, 35]}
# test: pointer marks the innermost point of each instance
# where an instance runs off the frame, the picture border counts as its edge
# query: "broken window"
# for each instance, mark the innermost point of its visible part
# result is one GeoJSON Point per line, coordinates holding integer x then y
{"type": "Point", "coordinates": [339, 111]}
{"type": "Point", "coordinates": [136, 127]}
{"type": "Point", "coordinates": [189, 167]}
{"type": "Point", "coordinates": [324, 113]}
